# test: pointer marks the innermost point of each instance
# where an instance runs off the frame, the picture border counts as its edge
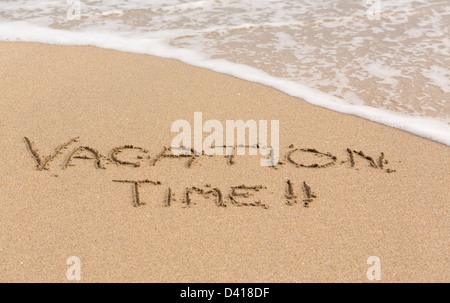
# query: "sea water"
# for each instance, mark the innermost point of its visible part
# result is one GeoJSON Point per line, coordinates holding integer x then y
{"type": "Point", "coordinates": [387, 61]}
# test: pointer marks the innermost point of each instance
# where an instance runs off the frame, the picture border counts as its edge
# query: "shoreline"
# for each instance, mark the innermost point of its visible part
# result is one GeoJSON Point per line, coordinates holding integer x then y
{"type": "Point", "coordinates": [156, 218]}
{"type": "Point", "coordinates": [423, 126]}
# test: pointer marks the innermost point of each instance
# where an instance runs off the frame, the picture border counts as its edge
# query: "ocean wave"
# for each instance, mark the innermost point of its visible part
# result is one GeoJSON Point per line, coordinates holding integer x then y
{"type": "Point", "coordinates": [393, 70]}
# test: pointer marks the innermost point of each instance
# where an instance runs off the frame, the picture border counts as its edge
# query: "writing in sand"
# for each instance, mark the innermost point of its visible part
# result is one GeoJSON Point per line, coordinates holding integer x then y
{"type": "Point", "coordinates": [240, 195]}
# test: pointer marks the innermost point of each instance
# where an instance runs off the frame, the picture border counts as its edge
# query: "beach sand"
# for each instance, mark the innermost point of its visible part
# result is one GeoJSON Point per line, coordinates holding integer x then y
{"type": "Point", "coordinates": [103, 99]}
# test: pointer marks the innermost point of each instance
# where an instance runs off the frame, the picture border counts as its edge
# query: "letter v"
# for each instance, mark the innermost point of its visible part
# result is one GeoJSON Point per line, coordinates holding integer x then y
{"type": "Point", "coordinates": [43, 163]}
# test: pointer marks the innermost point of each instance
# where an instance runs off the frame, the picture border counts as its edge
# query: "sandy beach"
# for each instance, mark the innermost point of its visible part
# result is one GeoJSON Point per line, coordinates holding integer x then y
{"type": "Point", "coordinates": [346, 189]}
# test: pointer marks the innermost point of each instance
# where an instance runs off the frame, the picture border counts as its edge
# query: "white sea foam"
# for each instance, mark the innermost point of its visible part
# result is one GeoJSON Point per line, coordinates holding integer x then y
{"type": "Point", "coordinates": [438, 76]}
{"type": "Point", "coordinates": [327, 53]}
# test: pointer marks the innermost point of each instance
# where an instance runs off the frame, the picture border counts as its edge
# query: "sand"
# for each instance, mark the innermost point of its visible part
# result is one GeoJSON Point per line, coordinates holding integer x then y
{"type": "Point", "coordinates": [69, 204]}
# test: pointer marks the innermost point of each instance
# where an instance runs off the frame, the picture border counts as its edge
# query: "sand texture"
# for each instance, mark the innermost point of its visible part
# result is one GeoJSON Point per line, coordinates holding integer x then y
{"type": "Point", "coordinates": [80, 124]}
